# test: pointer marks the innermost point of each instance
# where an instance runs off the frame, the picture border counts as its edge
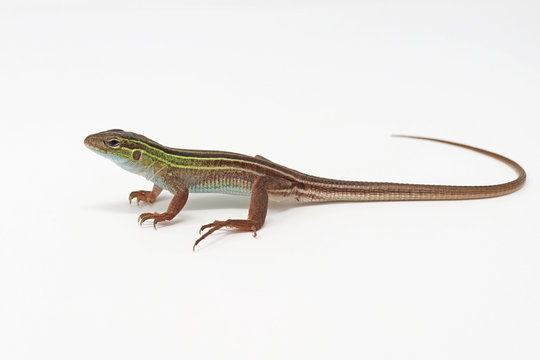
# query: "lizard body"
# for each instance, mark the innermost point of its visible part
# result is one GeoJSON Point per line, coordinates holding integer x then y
{"type": "Point", "coordinates": [181, 171]}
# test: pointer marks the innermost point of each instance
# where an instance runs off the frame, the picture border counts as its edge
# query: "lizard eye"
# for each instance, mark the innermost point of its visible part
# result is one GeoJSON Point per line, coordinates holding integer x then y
{"type": "Point", "coordinates": [113, 143]}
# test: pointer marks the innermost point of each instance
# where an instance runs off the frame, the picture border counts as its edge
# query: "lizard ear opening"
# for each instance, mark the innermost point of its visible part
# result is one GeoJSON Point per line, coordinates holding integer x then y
{"type": "Point", "coordinates": [136, 155]}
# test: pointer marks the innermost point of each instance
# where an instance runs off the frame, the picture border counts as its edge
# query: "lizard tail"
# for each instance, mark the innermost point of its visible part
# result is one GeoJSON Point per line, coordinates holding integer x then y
{"type": "Point", "coordinates": [320, 189]}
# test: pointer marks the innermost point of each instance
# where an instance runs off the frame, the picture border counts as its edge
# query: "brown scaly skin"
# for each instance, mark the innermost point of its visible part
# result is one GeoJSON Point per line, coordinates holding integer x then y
{"type": "Point", "coordinates": [181, 171]}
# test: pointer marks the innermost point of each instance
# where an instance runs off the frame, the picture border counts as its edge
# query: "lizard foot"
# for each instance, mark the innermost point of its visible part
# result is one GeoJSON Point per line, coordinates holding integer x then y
{"type": "Point", "coordinates": [157, 217]}
{"type": "Point", "coordinates": [142, 195]}
{"type": "Point", "coordinates": [242, 225]}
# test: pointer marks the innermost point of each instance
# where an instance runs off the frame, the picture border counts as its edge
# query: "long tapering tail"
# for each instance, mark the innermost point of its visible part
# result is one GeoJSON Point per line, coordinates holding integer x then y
{"type": "Point", "coordinates": [320, 189]}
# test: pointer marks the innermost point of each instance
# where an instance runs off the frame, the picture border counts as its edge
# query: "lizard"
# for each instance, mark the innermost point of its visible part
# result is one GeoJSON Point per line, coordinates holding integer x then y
{"type": "Point", "coordinates": [181, 171]}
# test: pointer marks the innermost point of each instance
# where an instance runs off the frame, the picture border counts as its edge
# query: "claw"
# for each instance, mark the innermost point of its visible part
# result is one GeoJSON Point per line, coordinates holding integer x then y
{"type": "Point", "coordinates": [157, 217]}
{"type": "Point", "coordinates": [142, 195]}
{"type": "Point", "coordinates": [143, 217]}
{"type": "Point", "coordinates": [207, 226]}
{"type": "Point", "coordinates": [214, 226]}
{"type": "Point", "coordinates": [242, 225]}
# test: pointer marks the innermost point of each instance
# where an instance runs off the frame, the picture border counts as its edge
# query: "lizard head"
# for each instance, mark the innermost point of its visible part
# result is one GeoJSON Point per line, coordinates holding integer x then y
{"type": "Point", "coordinates": [127, 149]}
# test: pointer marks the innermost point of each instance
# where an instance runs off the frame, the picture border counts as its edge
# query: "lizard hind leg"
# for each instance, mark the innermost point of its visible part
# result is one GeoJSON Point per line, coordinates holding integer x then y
{"type": "Point", "coordinates": [257, 210]}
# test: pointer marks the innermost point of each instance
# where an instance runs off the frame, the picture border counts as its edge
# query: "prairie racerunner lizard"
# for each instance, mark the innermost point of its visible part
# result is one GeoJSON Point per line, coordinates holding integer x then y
{"type": "Point", "coordinates": [182, 171]}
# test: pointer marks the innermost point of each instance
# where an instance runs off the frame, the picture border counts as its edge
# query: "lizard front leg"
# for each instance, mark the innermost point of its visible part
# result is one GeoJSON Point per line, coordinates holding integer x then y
{"type": "Point", "coordinates": [257, 209]}
{"type": "Point", "coordinates": [177, 203]}
{"type": "Point", "coordinates": [145, 196]}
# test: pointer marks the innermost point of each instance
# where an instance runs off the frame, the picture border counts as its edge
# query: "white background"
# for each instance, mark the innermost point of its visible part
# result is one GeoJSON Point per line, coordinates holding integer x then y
{"type": "Point", "coordinates": [318, 86]}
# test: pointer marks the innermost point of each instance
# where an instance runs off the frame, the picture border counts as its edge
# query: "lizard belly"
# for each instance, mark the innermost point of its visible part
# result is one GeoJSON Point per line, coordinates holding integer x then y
{"type": "Point", "coordinates": [220, 184]}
